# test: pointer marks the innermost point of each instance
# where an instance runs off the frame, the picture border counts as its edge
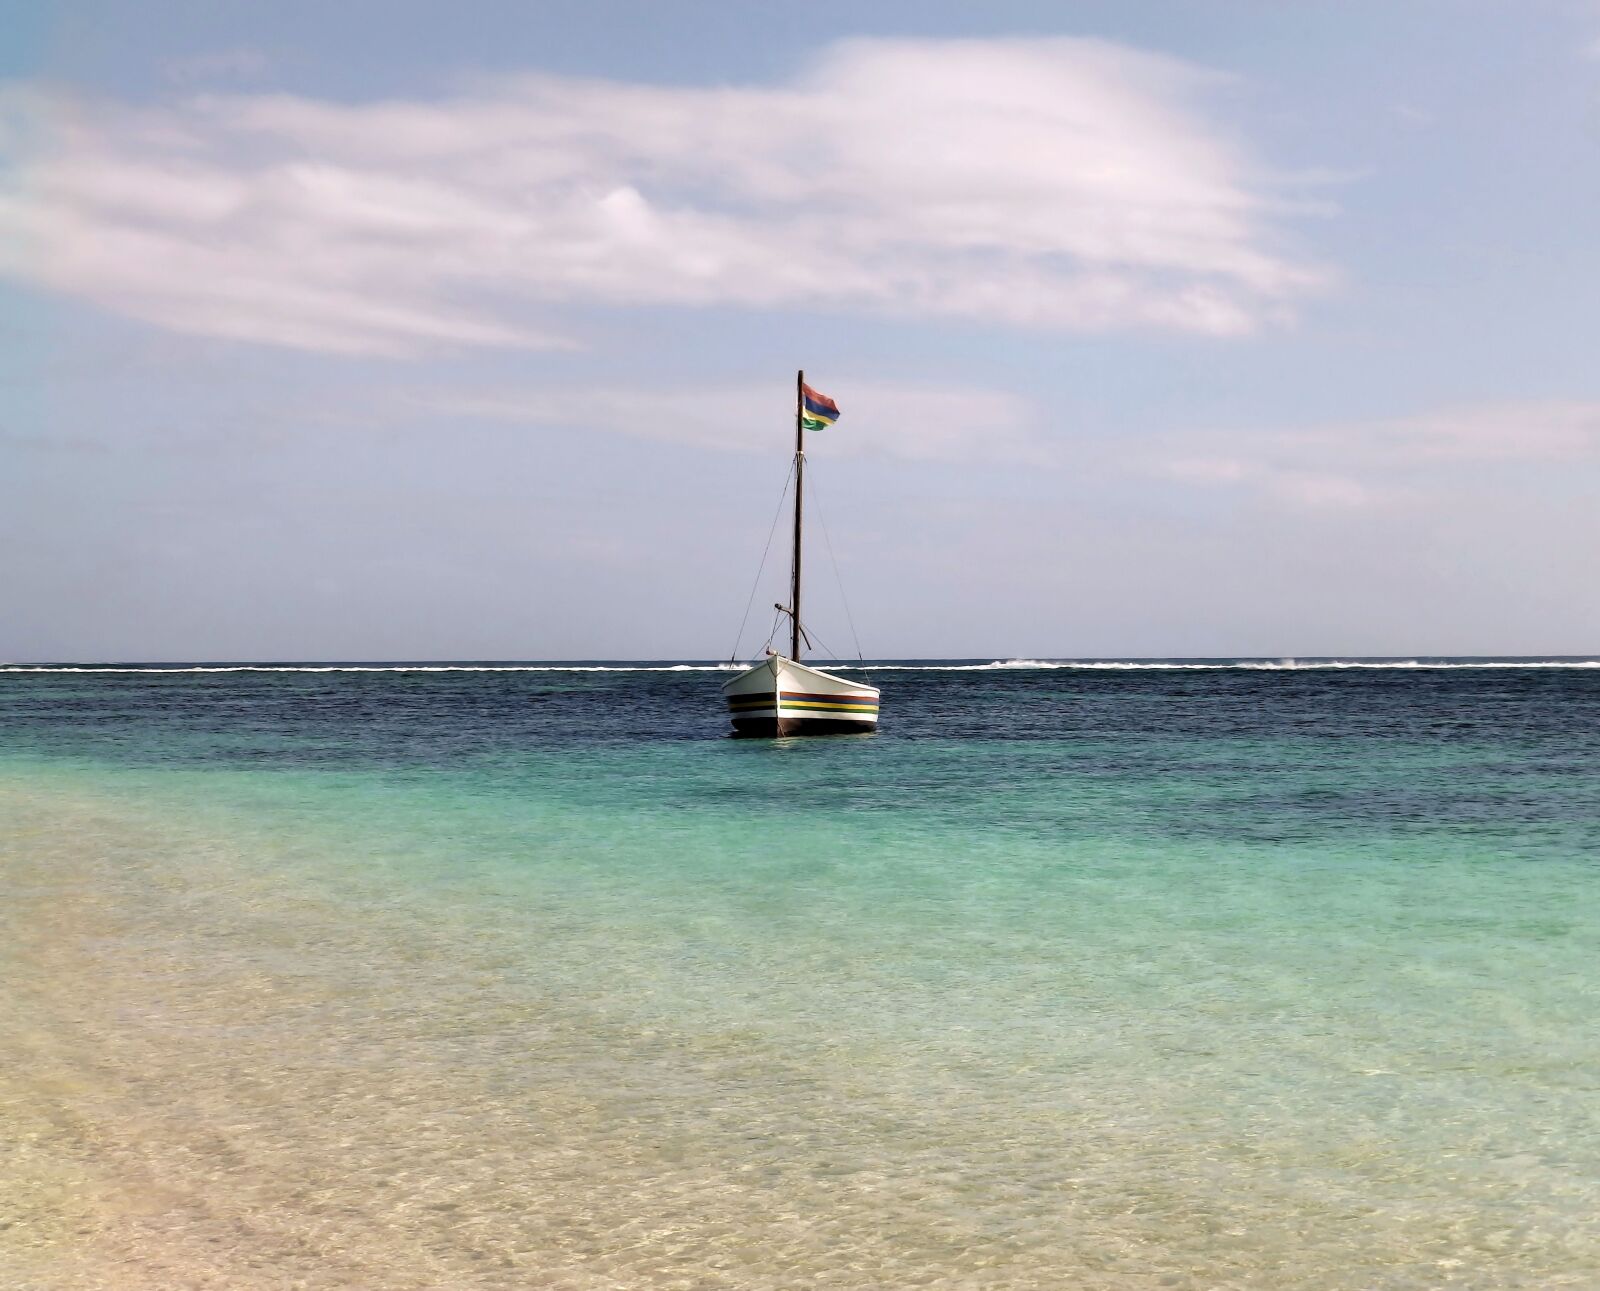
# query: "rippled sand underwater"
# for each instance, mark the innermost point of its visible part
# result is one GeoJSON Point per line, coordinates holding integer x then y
{"type": "Point", "coordinates": [581, 1027]}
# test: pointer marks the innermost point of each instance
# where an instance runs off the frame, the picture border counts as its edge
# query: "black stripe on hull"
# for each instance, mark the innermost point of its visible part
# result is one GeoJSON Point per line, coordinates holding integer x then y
{"type": "Point", "coordinates": [772, 727]}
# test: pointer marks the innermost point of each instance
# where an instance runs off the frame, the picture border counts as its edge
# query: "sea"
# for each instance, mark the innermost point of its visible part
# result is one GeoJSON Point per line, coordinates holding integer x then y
{"type": "Point", "coordinates": [1075, 974]}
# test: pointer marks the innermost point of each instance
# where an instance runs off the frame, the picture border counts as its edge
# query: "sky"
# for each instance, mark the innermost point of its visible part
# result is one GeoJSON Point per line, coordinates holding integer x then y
{"type": "Point", "coordinates": [425, 331]}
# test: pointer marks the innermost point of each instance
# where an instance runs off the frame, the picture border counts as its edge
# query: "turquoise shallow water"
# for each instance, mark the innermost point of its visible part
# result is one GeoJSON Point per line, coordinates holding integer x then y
{"type": "Point", "coordinates": [1122, 977]}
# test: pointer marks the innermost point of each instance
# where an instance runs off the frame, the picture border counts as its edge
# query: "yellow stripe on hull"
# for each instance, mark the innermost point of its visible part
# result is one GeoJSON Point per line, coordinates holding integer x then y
{"type": "Point", "coordinates": [869, 709]}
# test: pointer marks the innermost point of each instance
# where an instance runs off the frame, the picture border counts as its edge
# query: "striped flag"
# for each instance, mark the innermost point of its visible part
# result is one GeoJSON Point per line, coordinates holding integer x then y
{"type": "Point", "coordinates": [817, 410]}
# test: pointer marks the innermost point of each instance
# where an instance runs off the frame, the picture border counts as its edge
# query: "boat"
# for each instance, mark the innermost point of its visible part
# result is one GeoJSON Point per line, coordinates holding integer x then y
{"type": "Point", "coordinates": [780, 695]}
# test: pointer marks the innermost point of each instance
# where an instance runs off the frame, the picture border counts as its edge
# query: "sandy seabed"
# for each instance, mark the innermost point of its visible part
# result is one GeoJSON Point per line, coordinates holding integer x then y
{"type": "Point", "coordinates": [211, 1077]}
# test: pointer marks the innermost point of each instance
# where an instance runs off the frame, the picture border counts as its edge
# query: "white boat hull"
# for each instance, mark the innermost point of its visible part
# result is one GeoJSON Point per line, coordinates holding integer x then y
{"type": "Point", "coordinates": [781, 697]}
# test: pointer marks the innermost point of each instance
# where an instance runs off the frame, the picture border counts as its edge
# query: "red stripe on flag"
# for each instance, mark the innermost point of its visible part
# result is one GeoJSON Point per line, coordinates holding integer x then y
{"type": "Point", "coordinates": [821, 400]}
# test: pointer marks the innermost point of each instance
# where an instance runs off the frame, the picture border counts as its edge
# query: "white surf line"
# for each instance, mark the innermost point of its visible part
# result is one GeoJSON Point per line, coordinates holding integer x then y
{"type": "Point", "coordinates": [96, 668]}
{"type": "Point", "coordinates": [1108, 665]}
{"type": "Point", "coordinates": [998, 665]}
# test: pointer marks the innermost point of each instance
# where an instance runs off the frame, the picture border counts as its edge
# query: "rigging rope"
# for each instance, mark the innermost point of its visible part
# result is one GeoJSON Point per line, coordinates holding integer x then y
{"type": "Point", "coordinates": [762, 567]}
{"type": "Point", "coordinates": [828, 652]}
{"type": "Point", "coordinates": [772, 632]}
{"type": "Point", "coordinates": [849, 618]}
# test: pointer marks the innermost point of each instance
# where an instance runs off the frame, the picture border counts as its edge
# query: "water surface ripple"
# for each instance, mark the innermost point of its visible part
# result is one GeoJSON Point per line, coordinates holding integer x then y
{"type": "Point", "coordinates": [1256, 974]}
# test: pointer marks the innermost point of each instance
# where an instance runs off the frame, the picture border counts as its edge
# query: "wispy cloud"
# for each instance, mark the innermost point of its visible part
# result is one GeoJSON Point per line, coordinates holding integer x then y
{"type": "Point", "coordinates": [1054, 183]}
{"type": "Point", "coordinates": [1365, 463]}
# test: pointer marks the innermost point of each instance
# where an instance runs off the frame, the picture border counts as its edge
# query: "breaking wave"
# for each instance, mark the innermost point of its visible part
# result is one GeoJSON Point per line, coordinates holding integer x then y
{"type": "Point", "coordinates": [376, 667]}
{"type": "Point", "coordinates": [994, 665]}
{"type": "Point", "coordinates": [1222, 665]}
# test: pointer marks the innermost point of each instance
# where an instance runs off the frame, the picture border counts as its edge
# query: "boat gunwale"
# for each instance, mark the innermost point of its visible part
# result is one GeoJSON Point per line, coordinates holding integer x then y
{"type": "Point", "coordinates": [772, 662]}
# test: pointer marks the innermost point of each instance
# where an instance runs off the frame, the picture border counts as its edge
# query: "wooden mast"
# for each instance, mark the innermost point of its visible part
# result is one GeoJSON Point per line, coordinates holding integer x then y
{"type": "Point", "coordinates": [799, 495]}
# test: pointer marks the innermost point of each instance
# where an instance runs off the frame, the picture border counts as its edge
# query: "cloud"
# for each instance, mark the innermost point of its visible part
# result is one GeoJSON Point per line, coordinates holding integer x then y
{"type": "Point", "coordinates": [909, 422]}
{"type": "Point", "coordinates": [1366, 463]}
{"type": "Point", "coordinates": [1053, 183]}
